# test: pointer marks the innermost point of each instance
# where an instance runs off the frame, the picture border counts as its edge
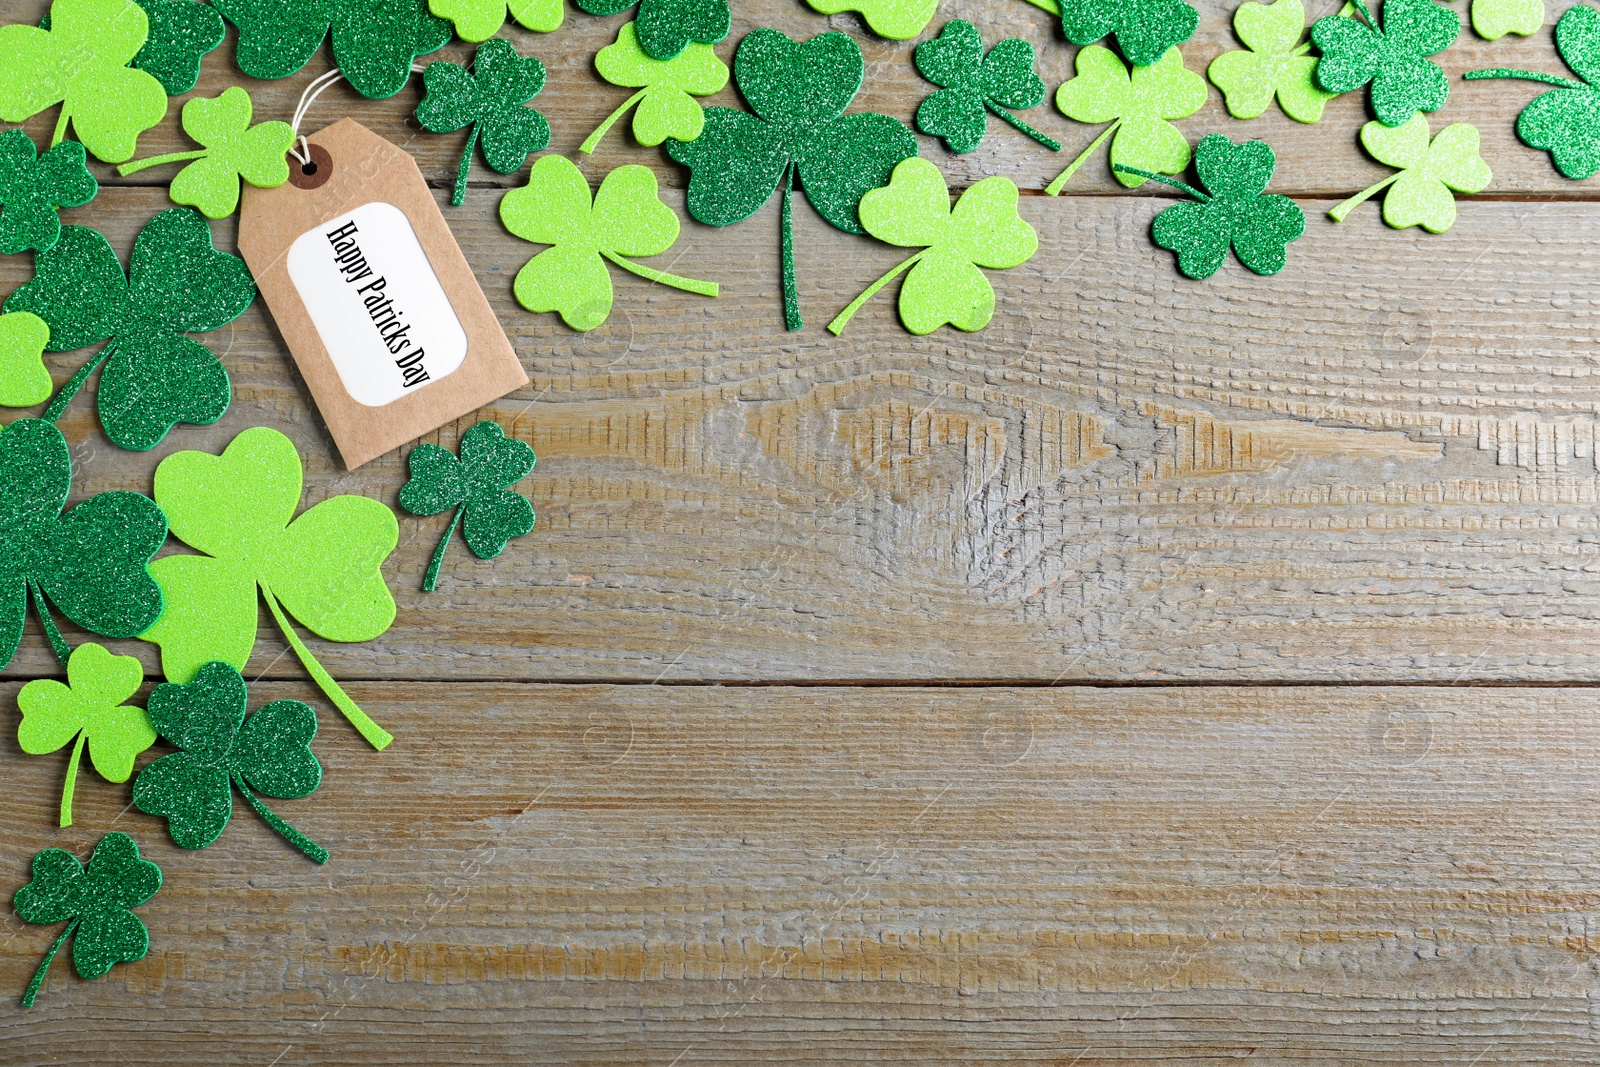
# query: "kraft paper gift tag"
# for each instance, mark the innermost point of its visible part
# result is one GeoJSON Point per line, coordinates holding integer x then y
{"type": "Point", "coordinates": [380, 309]}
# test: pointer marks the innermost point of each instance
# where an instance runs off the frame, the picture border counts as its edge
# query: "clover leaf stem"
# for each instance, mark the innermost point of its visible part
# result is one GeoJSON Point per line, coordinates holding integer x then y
{"type": "Point", "coordinates": [1372, 23]}
{"type": "Point", "coordinates": [70, 390]}
{"type": "Point", "coordinates": [1164, 180]}
{"type": "Point", "coordinates": [688, 285]}
{"type": "Point", "coordinates": [72, 778]}
{"type": "Point", "coordinates": [155, 161]}
{"type": "Point", "coordinates": [61, 126]}
{"type": "Point", "coordinates": [791, 295]}
{"type": "Point", "coordinates": [287, 832]}
{"type": "Point", "coordinates": [459, 194]}
{"type": "Point", "coordinates": [376, 735]}
{"type": "Point", "coordinates": [1338, 213]}
{"type": "Point", "coordinates": [49, 958]}
{"type": "Point", "coordinates": [836, 327]}
{"type": "Point", "coordinates": [431, 578]}
{"type": "Point", "coordinates": [1524, 75]}
{"type": "Point", "coordinates": [57, 643]}
{"type": "Point", "coordinates": [588, 147]}
{"type": "Point", "coordinates": [1055, 187]}
{"type": "Point", "coordinates": [1049, 142]}
{"type": "Point", "coordinates": [1047, 5]}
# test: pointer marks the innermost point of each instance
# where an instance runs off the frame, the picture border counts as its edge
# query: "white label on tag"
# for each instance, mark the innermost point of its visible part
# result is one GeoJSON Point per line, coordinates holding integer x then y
{"type": "Point", "coordinates": [377, 304]}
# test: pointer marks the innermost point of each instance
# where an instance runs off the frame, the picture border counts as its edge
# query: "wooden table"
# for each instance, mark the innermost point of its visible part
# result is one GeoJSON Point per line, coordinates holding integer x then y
{"type": "Point", "coordinates": [1173, 672]}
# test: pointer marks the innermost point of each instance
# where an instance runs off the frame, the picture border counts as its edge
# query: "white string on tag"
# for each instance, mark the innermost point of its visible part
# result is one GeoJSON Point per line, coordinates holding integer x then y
{"type": "Point", "coordinates": [307, 98]}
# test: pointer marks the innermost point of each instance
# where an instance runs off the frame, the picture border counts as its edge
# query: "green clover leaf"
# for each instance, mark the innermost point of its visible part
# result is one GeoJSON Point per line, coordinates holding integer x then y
{"type": "Point", "coordinates": [91, 561]}
{"type": "Point", "coordinates": [221, 750]}
{"type": "Point", "coordinates": [81, 62]}
{"type": "Point", "coordinates": [33, 188]}
{"type": "Point", "coordinates": [798, 91]}
{"type": "Point", "coordinates": [1391, 55]}
{"type": "Point", "coordinates": [97, 902]}
{"type": "Point", "coordinates": [1138, 105]}
{"type": "Point", "coordinates": [24, 379]}
{"type": "Point", "coordinates": [1493, 19]}
{"type": "Point", "coordinates": [667, 89]}
{"type": "Point", "coordinates": [898, 20]}
{"type": "Point", "coordinates": [322, 568]}
{"type": "Point", "coordinates": [973, 82]}
{"type": "Point", "coordinates": [181, 33]}
{"type": "Point", "coordinates": [177, 283]}
{"type": "Point", "coordinates": [1238, 211]}
{"type": "Point", "coordinates": [477, 485]}
{"type": "Point", "coordinates": [1566, 121]}
{"type": "Point", "coordinates": [1273, 61]}
{"type": "Point", "coordinates": [233, 151]}
{"type": "Point", "coordinates": [479, 20]}
{"type": "Point", "coordinates": [492, 101]}
{"type": "Point", "coordinates": [945, 284]}
{"type": "Point", "coordinates": [374, 41]}
{"type": "Point", "coordinates": [626, 218]}
{"type": "Point", "coordinates": [89, 708]}
{"type": "Point", "coordinates": [1144, 29]}
{"type": "Point", "coordinates": [665, 27]}
{"type": "Point", "coordinates": [1420, 192]}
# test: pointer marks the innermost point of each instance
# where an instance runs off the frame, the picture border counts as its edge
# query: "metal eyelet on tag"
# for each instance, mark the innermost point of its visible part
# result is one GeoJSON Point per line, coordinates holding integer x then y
{"type": "Point", "coordinates": [313, 174]}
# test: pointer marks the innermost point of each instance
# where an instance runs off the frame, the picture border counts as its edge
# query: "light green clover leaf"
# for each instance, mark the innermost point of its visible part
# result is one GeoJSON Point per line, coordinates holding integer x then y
{"type": "Point", "coordinates": [1493, 19]}
{"type": "Point", "coordinates": [1273, 61]}
{"type": "Point", "coordinates": [1420, 192]}
{"type": "Point", "coordinates": [234, 151]}
{"type": "Point", "coordinates": [24, 380]}
{"type": "Point", "coordinates": [626, 218]}
{"type": "Point", "coordinates": [1138, 104]}
{"type": "Point", "coordinates": [667, 89]}
{"type": "Point", "coordinates": [322, 568]}
{"type": "Point", "coordinates": [81, 62]}
{"type": "Point", "coordinates": [479, 20]}
{"type": "Point", "coordinates": [945, 284]}
{"type": "Point", "coordinates": [89, 707]}
{"type": "Point", "coordinates": [898, 20]}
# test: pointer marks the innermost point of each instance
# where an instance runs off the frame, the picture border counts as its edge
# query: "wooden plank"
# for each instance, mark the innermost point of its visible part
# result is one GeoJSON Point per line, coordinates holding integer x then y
{"type": "Point", "coordinates": [543, 874]}
{"type": "Point", "coordinates": [1378, 464]}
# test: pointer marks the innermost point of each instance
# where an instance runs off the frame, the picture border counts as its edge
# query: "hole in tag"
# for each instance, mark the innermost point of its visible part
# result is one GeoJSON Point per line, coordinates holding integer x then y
{"type": "Point", "coordinates": [313, 174]}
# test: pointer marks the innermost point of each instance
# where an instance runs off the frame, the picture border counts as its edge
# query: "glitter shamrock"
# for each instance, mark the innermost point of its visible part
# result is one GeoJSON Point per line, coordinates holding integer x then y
{"type": "Point", "coordinates": [1391, 55]}
{"type": "Point", "coordinates": [222, 750]}
{"type": "Point", "coordinates": [81, 62]}
{"type": "Point", "coordinates": [181, 33]}
{"type": "Point", "coordinates": [90, 561]}
{"type": "Point", "coordinates": [374, 41]}
{"type": "Point", "coordinates": [898, 20]}
{"type": "Point", "coordinates": [492, 101]}
{"type": "Point", "coordinates": [1565, 121]}
{"type": "Point", "coordinates": [96, 903]}
{"type": "Point", "coordinates": [479, 20]}
{"type": "Point", "coordinates": [33, 188]}
{"type": "Point", "coordinates": [945, 284]}
{"type": "Point", "coordinates": [1493, 19]}
{"type": "Point", "coordinates": [973, 82]}
{"type": "Point", "coordinates": [238, 510]}
{"type": "Point", "coordinates": [477, 485]}
{"type": "Point", "coordinates": [667, 89]}
{"type": "Point", "coordinates": [665, 27]}
{"type": "Point", "coordinates": [1138, 104]}
{"type": "Point", "coordinates": [177, 283]}
{"type": "Point", "coordinates": [1274, 61]}
{"type": "Point", "coordinates": [798, 91]}
{"type": "Point", "coordinates": [233, 151]}
{"type": "Point", "coordinates": [1144, 29]}
{"type": "Point", "coordinates": [24, 379]}
{"type": "Point", "coordinates": [87, 709]}
{"type": "Point", "coordinates": [1421, 192]}
{"type": "Point", "coordinates": [1238, 211]}
{"type": "Point", "coordinates": [626, 218]}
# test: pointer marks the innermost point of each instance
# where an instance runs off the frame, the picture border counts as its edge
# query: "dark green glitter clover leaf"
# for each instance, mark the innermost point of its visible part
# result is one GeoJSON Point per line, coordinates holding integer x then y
{"type": "Point", "coordinates": [97, 902]}
{"type": "Point", "coordinates": [34, 187]}
{"type": "Point", "coordinates": [665, 27]}
{"type": "Point", "coordinates": [972, 83]}
{"type": "Point", "coordinates": [477, 485]}
{"type": "Point", "coordinates": [1238, 211]}
{"type": "Point", "coordinates": [492, 100]}
{"type": "Point", "coordinates": [233, 151]}
{"type": "Point", "coordinates": [181, 33]}
{"type": "Point", "coordinates": [177, 283]}
{"type": "Point", "coordinates": [1390, 55]}
{"type": "Point", "coordinates": [1565, 121]}
{"type": "Point", "coordinates": [91, 561]}
{"type": "Point", "coordinates": [221, 750]}
{"type": "Point", "coordinates": [374, 41]}
{"type": "Point", "coordinates": [798, 91]}
{"type": "Point", "coordinates": [1144, 29]}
